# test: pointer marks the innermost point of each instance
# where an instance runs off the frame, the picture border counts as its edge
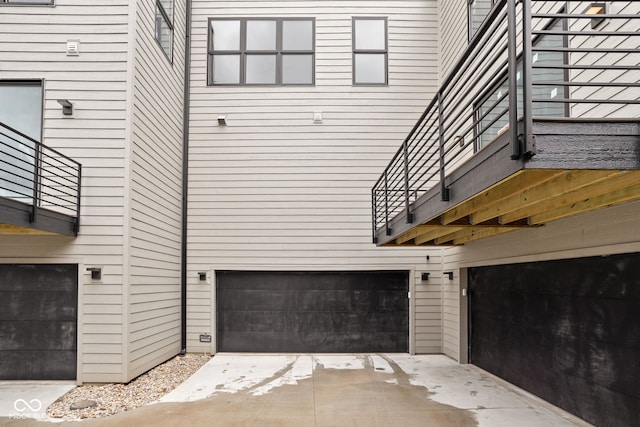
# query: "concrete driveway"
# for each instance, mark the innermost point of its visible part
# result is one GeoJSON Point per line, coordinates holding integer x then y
{"type": "Point", "coordinates": [340, 390]}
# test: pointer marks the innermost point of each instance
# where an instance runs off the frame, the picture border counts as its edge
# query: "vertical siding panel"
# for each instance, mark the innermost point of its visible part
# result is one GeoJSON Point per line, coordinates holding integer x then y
{"type": "Point", "coordinates": [33, 46]}
{"type": "Point", "coordinates": [273, 190]}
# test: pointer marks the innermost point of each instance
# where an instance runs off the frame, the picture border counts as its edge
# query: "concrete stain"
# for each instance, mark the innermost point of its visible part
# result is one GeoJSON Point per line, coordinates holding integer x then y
{"type": "Point", "coordinates": [330, 397]}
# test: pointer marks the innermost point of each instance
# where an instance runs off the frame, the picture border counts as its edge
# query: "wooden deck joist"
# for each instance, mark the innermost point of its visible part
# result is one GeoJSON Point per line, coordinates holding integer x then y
{"type": "Point", "coordinates": [528, 198]}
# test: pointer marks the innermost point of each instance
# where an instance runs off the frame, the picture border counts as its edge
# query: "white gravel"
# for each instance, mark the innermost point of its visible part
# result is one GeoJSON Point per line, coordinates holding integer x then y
{"type": "Point", "coordinates": [114, 398]}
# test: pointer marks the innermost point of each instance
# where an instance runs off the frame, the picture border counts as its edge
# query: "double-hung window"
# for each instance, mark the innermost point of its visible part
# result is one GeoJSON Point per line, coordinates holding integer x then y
{"type": "Point", "coordinates": [257, 51]}
{"type": "Point", "coordinates": [370, 51]}
{"type": "Point", "coordinates": [164, 26]}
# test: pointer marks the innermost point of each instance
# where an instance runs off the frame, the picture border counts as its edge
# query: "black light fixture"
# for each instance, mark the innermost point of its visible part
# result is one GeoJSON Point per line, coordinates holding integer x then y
{"type": "Point", "coordinates": [96, 273]}
{"type": "Point", "coordinates": [67, 107]}
{"type": "Point", "coordinates": [449, 274]}
{"type": "Point", "coordinates": [425, 277]}
{"type": "Point", "coordinates": [222, 120]}
{"type": "Point", "coordinates": [202, 276]}
{"type": "Point", "coordinates": [596, 9]}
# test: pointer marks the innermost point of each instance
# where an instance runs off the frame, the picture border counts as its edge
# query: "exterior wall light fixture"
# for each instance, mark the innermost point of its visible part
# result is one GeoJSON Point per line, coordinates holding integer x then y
{"type": "Point", "coordinates": [202, 276]}
{"type": "Point", "coordinates": [96, 273]}
{"type": "Point", "coordinates": [67, 107]}
{"type": "Point", "coordinates": [222, 121]}
{"type": "Point", "coordinates": [596, 9]}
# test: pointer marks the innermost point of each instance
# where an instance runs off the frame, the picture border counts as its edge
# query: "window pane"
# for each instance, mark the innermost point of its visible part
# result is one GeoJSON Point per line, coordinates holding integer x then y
{"type": "Point", "coordinates": [23, 113]}
{"type": "Point", "coordinates": [478, 10]}
{"type": "Point", "coordinates": [164, 34]}
{"type": "Point", "coordinates": [297, 35]}
{"type": "Point", "coordinates": [370, 68]}
{"type": "Point", "coordinates": [30, 1]}
{"type": "Point", "coordinates": [370, 34]}
{"type": "Point", "coordinates": [226, 69]}
{"type": "Point", "coordinates": [261, 69]}
{"type": "Point", "coordinates": [261, 35]}
{"type": "Point", "coordinates": [297, 69]}
{"type": "Point", "coordinates": [167, 5]}
{"type": "Point", "coordinates": [225, 35]}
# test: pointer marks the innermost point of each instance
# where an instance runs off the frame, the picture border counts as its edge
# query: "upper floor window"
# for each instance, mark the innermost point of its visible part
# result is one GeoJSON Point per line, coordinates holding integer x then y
{"type": "Point", "coordinates": [256, 51]}
{"type": "Point", "coordinates": [27, 1]}
{"type": "Point", "coordinates": [18, 154]}
{"type": "Point", "coordinates": [370, 51]}
{"type": "Point", "coordinates": [164, 26]}
{"type": "Point", "coordinates": [478, 11]}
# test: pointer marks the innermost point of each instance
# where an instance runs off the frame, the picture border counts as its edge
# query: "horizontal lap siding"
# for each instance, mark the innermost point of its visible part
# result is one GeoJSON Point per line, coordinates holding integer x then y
{"type": "Point", "coordinates": [273, 190]}
{"type": "Point", "coordinates": [606, 76]}
{"type": "Point", "coordinates": [156, 195]}
{"type": "Point", "coordinates": [33, 46]}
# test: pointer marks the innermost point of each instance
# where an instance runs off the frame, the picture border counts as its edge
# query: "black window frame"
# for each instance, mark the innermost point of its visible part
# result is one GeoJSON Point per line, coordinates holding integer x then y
{"type": "Point", "coordinates": [470, 31]}
{"type": "Point", "coordinates": [384, 51]}
{"type": "Point", "coordinates": [28, 3]}
{"type": "Point", "coordinates": [243, 52]}
{"type": "Point", "coordinates": [170, 23]}
{"type": "Point", "coordinates": [490, 91]}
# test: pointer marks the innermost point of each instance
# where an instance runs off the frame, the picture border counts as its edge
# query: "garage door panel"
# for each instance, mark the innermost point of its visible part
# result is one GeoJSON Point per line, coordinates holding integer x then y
{"type": "Point", "coordinates": [21, 305]}
{"type": "Point", "coordinates": [38, 364]}
{"type": "Point", "coordinates": [566, 330]}
{"type": "Point", "coordinates": [312, 311]}
{"type": "Point", "coordinates": [38, 321]}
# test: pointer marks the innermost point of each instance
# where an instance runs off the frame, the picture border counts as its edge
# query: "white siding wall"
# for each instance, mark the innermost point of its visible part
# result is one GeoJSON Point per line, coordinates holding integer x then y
{"type": "Point", "coordinates": [156, 194]}
{"type": "Point", "coordinates": [33, 46]}
{"type": "Point", "coordinates": [452, 27]}
{"type": "Point", "coordinates": [273, 190]}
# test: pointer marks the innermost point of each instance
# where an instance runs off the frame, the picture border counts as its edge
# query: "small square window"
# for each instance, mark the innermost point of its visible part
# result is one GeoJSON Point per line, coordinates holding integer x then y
{"type": "Point", "coordinates": [370, 52]}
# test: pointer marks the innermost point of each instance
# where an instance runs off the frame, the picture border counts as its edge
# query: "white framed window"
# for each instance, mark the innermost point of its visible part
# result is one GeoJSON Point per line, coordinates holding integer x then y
{"type": "Point", "coordinates": [370, 51]}
{"type": "Point", "coordinates": [164, 26]}
{"type": "Point", "coordinates": [261, 51]}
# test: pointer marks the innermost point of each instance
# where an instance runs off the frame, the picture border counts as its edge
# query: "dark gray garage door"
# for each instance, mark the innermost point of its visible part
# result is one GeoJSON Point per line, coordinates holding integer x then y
{"type": "Point", "coordinates": [567, 331]}
{"type": "Point", "coordinates": [38, 316]}
{"type": "Point", "coordinates": [313, 312]}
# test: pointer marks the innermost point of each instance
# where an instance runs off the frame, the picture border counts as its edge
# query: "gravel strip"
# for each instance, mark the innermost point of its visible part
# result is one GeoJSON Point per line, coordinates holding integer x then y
{"type": "Point", "coordinates": [113, 398]}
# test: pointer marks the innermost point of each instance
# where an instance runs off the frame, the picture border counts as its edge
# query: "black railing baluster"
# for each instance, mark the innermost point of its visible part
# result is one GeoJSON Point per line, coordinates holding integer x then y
{"type": "Point", "coordinates": [516, 151]}
{"type": "Point", "coordinates": [529, 145]}
{"type": "Point", "coordinates": [386, 203]}
{"type": "Point", "coordinates": [407, 189]}
{"type": "Point", "coordinates": [444, 191]}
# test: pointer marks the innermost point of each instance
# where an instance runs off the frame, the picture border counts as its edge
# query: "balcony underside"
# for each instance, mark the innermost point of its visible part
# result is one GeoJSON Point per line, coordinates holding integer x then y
{"type": "Point", "coordinates": [17, 218]}
{"type": "Point", "coordinates": [579, 166]}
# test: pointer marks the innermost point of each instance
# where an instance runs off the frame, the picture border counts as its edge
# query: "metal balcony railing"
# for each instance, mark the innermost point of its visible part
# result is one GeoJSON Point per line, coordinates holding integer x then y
{"type": "Point", "coordinates": [529, 59]}
{"type": "Point", "coordinates": [38, 176]}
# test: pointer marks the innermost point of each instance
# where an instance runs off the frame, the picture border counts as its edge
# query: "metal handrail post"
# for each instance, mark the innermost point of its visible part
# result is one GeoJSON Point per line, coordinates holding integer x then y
{"type": "Point", "coordinates": [527, 81]}
{"type": "Point", "coordinates": [513, 79]}
{"type": "Point", "coordinates": [77, 227]}
{"type": "Point", "coordinates": [386, 203]}
{"type": "Point", "coordinates": [407, 201]}
{"type": "Point", "coordinates": [444, 191]}
{"type": "Point", "coordinates": [36, 183]}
